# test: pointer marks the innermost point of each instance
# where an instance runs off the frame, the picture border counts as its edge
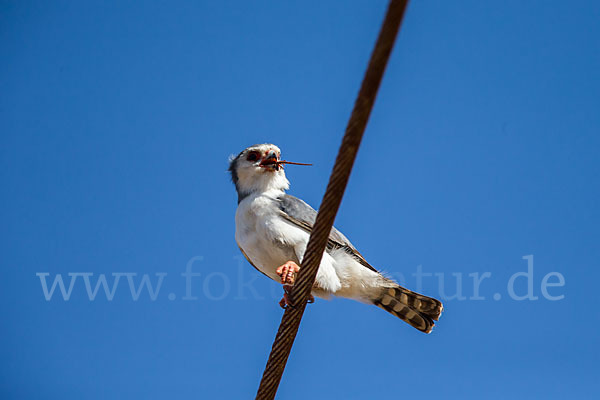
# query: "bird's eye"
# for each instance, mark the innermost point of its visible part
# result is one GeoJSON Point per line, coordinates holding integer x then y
{"type": "Point", "coordinates": [253, 156]}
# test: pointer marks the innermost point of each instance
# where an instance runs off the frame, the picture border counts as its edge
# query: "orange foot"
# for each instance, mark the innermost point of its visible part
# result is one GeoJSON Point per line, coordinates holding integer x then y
{"type": "Point", "coordinates": [287, 273]}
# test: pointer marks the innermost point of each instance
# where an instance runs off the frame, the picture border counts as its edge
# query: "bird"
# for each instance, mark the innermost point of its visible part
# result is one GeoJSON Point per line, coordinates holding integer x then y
{"type": "Point", "coordinates": [272, 229]}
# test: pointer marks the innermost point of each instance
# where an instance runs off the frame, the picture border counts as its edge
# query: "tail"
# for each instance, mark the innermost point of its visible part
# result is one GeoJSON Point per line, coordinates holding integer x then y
{"type": "Point", "coordinates": [415, 309]}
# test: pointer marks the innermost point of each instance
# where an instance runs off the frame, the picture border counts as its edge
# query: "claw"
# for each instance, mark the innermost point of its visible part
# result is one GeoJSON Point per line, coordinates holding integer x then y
{"type": "Point", "coordinates": [285, 301]}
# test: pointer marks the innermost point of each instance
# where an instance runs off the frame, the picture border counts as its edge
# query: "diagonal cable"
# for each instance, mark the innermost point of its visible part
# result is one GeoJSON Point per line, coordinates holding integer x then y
{"type": "Point", "coordinates": [363, 105]}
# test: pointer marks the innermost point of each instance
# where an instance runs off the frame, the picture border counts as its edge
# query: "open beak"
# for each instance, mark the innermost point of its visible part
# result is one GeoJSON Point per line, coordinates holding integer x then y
{"type": "Point", "coordinates": [271, 161]}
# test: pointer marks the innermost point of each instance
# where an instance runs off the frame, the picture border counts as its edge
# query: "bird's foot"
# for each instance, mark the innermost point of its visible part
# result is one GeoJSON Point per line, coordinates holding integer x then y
{"type": "Point", "coordinates": [285, 301]}
{"type": "Point", "coordinates": [287, 272]}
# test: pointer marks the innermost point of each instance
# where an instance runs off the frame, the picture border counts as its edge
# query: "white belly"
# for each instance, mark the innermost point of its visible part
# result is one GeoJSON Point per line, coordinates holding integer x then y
{"type": "Point", "coordinates": [265, 237]}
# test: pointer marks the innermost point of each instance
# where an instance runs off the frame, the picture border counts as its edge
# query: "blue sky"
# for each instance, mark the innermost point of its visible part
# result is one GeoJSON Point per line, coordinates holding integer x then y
{"type": "Point", "coordinates": [116, 123]}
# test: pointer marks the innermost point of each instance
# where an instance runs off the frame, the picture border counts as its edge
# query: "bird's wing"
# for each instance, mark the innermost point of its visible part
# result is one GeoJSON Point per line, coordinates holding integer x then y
{"type": "Point", "coordinates": [302, 215]}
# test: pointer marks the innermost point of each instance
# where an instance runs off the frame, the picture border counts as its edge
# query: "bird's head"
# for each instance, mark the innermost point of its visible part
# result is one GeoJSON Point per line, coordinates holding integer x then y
{"type": "Point", "coordinates": [258, 168]}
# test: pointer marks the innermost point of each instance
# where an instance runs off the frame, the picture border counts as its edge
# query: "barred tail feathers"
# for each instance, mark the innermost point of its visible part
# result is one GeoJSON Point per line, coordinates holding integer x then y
{"type": "Point", "coordinates": [413, 308]}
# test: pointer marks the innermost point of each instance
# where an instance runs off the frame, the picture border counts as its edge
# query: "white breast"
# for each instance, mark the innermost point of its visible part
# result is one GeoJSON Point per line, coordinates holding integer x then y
{"type": "Point", "coordinates": [265, 237]}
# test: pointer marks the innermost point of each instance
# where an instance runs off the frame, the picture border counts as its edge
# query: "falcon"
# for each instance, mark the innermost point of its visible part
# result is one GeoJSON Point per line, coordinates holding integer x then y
{"type": "Point", "coordinates": [272, 229]}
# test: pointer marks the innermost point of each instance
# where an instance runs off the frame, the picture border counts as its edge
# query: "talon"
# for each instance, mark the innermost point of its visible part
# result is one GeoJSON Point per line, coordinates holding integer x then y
{"type": "Point", "coordinates": [285, 301]}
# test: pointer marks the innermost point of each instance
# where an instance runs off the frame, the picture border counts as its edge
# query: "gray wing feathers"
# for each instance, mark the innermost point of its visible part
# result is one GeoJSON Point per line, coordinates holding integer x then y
{"type": "Point", "coordinates": [302, 215]}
